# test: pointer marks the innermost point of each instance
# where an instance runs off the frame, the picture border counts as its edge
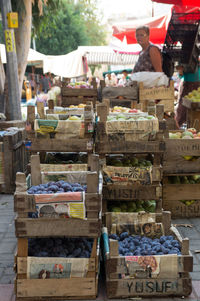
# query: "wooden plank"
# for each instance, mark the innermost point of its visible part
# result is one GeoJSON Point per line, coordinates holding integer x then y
{"type": "Point", "coordinates": [122, 146]}
{"type": "Point", "coordinates": [180, 210]}
{"type": "Point", "coordinates": [36, 177]}
{"type": "Point", "coordinates": [26, 203]}
{"type": "Point", "coordinates": [123, 288]}
{"type": "Point", "coordinates": [40, 109]}
{"type": "Point", "coordinates": [78, 92]}
{"type": "Point", "coordinates": [132, 192]}
{"type": "Point", "coordinates": [52, 145]}
{"type": "Point", "coordinates": [175, 163]}
{"type": "Point", "coordinates": [176, 192]}
{"type": "Point", "coordinates": [12, 123]}
{"type": "Point", "coordinates": [55, 287]}
{"type": "Point", "coordinates": [156, 92]}
{"type": "Point", "coordinates": [118, 265]}
{"type": "Point", "coordinates": [31, 115]}
{"type": "Point", "coordinates": [43, 227]}
{"type": "Point", "coordinates": [183, 147]}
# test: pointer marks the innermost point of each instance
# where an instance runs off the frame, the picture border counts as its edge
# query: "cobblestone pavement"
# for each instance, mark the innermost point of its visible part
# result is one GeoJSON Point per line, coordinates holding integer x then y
{"type": "Point", "coordinates": [8, 244]}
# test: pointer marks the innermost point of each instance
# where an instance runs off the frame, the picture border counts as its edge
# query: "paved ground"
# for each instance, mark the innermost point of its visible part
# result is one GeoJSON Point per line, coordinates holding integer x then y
{"type": "Point", "coordinates": [8, 246]}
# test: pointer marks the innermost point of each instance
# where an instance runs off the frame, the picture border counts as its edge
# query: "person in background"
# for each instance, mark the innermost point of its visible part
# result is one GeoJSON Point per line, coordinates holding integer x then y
{"type": "Point", "coordinates": [45, 83]}
{"type": "Point", "coordinates": [109, 81]}
{"type": "Point", "coordinates": [150, 58]}
{"type": "Point", "coordinates": [124, 79]}
{"type": "Point", "coordinates": [189, 82]}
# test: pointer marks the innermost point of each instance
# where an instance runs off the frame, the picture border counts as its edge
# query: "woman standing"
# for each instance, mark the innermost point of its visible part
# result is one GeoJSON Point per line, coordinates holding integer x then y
{"type": "Point", "coordinates": [150, 57]}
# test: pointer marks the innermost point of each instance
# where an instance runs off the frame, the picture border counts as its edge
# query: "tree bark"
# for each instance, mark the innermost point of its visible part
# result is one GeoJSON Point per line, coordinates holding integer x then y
{"type": "Point", "coordinates": [23, 39]}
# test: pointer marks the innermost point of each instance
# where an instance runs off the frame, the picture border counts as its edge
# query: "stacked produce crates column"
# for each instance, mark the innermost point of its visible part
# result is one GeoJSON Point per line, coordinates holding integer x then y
{"type": "Point", "coordinates": [181, 169]}
{"type": "Point", "coordinates": [58, 226]}
{"type": "Point", "coordinates": [131, 156]}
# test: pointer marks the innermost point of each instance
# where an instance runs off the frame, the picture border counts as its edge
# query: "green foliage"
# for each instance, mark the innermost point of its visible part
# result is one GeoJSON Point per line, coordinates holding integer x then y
{"type": "Point", "coordinates": [73, 25]}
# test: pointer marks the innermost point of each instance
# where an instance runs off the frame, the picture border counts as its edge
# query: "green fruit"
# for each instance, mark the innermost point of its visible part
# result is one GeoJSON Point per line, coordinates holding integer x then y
{"type": "Point", "coordinates": [116, 209]}
{"type": "Point", "coordinates": [134, 161]}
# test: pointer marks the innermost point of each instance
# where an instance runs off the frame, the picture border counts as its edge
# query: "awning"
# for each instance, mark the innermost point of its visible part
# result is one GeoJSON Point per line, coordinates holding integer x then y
{"type": "Point", "coordinates": [33, 55]}
{"type": "Point", "coordinates": [158, 29]}
{"type": "Point", "coordinates": [180, 2]}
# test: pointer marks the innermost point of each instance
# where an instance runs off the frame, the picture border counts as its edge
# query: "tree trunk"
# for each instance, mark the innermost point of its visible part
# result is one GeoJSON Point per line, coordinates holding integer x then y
{"type": "Point", "coordinates": [23, 39]}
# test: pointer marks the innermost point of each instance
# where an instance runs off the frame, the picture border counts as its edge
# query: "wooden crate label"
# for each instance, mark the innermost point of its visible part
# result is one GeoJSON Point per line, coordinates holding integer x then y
{"type": "Point", "coordinates": [44, 268]}
{"type": "Point", "coordinates": [149, 286]}
{"type": "Point", "coordinates": [178, 209]}
{"type": "Point", "coordinates": [142, 192]}
{"type": "Point", "coordinates": [183, 146]}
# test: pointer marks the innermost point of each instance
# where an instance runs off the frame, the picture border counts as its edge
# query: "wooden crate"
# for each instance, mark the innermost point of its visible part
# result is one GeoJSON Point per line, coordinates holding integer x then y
{"type": "Point", "coordinates": [180, 210]}
{"type": "Point", "coordinates": [165, 95]}
{"type": "Point", "coordinates": [125, 280]}
{"type": "Point", "coordinates": [192, 114]}
{"type": "Point", "coordinates": [41, 227]}
{"type": "Point", "coordinates": [72, 96]}
{"type": "Point", "coordinates": [120, 142]}
{"type": "Point", "coordinates": [176, 149]}
{"type": "Point", "coordinates": [174, 193]}
{"type": "Point", "coordinates": [13, 158]}
{"type": "Point", "coordinates": [49, 142]}
{"type": "Point", "coordinates": [85, 287]}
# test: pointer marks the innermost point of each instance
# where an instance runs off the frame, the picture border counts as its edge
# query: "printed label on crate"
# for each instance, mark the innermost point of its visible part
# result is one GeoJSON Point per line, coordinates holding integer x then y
{"type": "Point", "coordinates": [142, 264]}
{"type": "Point", "coordinates": [151, 266]}
{"type": "Point", "coordinates": [153, 230]}
{"type": "Point", "coordinates": [45, 268]}
{"type": "Point", "coordinates": [117, 174]}
{"type": "Point", "coordinates": [65, 205]}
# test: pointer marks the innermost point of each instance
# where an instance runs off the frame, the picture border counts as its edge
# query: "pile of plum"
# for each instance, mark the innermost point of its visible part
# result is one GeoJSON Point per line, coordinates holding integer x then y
{"type": "Point", "coordinates": [140, 245]}
{"type": "Point", "coordinates": [56, 187]}
{"type": "Point", "coordinates": [60, 247]}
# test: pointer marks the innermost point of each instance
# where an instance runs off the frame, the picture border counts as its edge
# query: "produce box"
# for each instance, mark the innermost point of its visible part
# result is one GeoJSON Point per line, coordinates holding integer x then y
{"type": "Point", "coordinates": [13, 157]}
{"type": "Point", "coordinates": [181, 195]}
{"type": "Point", "coordinates": [181, 155]}
{"type": "Point", "coordinates": [57, 278]}
{"type": "Point", "coordinates": [72, 135]}
{"type": "Point", "coordinates": [129, 92]}
{"type": "Point", "coordinates": [131, 133]}
{"type": "Point", "coordinates": [165, 95]}
{"type": "Point", "coordinates": [159, 270]}
{"type": "Point", "coordinates": [79, 93]}
{"type": "Point", "coordinates": [58, 203]}
{"type": "Point", "coordinates": [125, 169]}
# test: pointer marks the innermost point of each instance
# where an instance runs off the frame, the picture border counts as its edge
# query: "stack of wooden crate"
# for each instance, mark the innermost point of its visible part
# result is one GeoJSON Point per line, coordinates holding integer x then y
{"type": "Point", "coordinates": [13, 155]}
{"type": "Point", "coordinates": [119, 143]}
{"type": "Point", "coordinates": [181, 159]}
{"type": "Point", "coordinates": [78, 276]}
{"type": "Point", "coordinates": [74, 277]}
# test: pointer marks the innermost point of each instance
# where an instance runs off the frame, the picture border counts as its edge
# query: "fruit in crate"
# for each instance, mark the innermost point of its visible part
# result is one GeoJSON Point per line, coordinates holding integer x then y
{"type": "Point", "coordinates": [74, 118]}
{"type": "Point", "coordinates": [129, 162]}
{"type": "Point", "coordinates": [120, 109]}
{"type": "Point", "coordinates": [190, 133]}
{"type": "Point", "coordinates": [190, 179]}
{"type": "Point", "coordinates": [56, 187]}
{"type": "Point", "coordinates": [194, 96]}
{"type": "Point", "coordinates": [130, 245]}
{"type": "Point", "coordinates": [80, 106]}
{"type": "Point", "coordinates": [60, 247]}
{"type": "Point", "coordinates": [188, 202]}
{"type": "Point", "coordinates": [133, 206]}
